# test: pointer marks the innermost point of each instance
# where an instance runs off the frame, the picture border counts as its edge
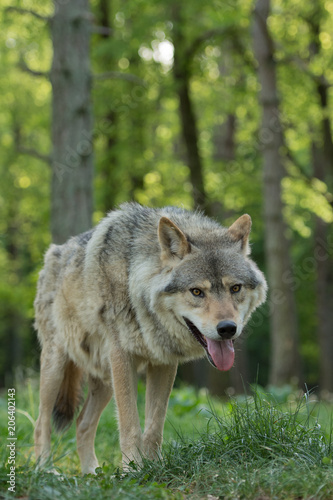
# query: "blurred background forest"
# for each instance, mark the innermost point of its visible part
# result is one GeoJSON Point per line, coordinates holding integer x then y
{"type": "Point", "coordinates": [221, 105]}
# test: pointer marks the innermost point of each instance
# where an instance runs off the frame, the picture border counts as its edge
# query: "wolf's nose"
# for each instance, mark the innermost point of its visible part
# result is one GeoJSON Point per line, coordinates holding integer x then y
{"type": "Point", "coordinates": [226, 329]}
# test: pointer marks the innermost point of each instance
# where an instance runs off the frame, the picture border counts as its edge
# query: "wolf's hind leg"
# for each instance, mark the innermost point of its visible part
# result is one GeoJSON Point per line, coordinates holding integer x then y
{"type": "Point", "coordinates": [159, 384]}
{"type": "Point", "coordinates": [98, 397]}
{"type": "Point", "coordinates": [51, 376]}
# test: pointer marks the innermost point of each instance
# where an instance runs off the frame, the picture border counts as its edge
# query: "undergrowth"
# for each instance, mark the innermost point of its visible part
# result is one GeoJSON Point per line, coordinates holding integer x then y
{"type": "Point", "coordinates": [253, 447]}
{"type": "Point", "coordinates": [257, 447]}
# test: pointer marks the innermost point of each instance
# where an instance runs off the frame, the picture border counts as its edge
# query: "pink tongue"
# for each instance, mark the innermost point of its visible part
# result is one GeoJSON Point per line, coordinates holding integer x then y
{"type": "Point", "coordinates": [222, 352]}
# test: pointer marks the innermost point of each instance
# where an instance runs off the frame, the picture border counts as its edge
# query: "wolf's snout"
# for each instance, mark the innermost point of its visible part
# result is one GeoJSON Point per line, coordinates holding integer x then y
{"type": "Point", "coordinates": [226, 329]}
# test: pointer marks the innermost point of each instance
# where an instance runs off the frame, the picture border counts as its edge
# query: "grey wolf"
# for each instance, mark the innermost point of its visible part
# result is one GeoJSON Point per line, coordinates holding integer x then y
{"type": "Point", "coordinates": [147, 288]}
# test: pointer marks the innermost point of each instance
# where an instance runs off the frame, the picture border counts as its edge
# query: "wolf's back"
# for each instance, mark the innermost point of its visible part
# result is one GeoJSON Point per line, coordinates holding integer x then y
{"type": "Point", "coordinates": [58, 259]}
{"type": "Point", "coordinates": [48, 282]}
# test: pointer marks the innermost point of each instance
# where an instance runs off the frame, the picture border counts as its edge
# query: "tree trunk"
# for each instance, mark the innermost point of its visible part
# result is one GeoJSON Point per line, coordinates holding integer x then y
{"type": "Point", "coordinates": [285, 360]}
{"type": "Point", "coordinates": [109, 162]}
{"type": "Point", "coordinates": [13, 321]}
{"type": "Point", "coordinates": [72, 155]}
{"type": "Point", "coordinates": [224, 139]}
{"type": "Point", "coordinates": [323, 166]}
{"type": "Point", "coordinates": [181, 73]}
{"type": "Point", "coordinates": [322, 158]}
{"type": "Point", "coordinates": [324, 289]}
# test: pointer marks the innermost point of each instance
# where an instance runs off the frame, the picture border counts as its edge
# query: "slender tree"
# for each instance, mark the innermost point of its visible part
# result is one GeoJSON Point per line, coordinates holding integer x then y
{"type": "Point", "coordinates": [322, 158]}
{"type": "Point", "coordinates": [109, 158]}
{"type": "Point", "coordinates": [285, 359]}
{"type": "Point", "coordinates": [182, 76]}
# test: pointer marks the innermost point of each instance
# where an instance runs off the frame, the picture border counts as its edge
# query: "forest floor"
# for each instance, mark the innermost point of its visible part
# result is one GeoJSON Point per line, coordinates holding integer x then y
{"type": "Point", "coordinates": [270, 445]}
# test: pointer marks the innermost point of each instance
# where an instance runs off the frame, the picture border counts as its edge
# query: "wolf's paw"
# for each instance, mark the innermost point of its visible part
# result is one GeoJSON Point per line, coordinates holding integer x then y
{"type": "Point", "coordinates": [90, 470]}
{"type": "Point", "coordinates": [152, 448]}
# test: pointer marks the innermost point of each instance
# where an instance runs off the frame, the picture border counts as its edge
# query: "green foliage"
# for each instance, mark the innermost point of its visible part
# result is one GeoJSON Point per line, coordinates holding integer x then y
{"type": "Point", "coordinates": [255, 446]}
{"type": "Point", "coordinates": [24, 190]}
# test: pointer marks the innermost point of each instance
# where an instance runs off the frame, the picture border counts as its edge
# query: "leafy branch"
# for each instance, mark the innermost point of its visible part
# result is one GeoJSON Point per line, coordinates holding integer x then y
{"type": "Point", "coordinates": [28, 151]}
{"type": "Point", "coordinates": [24, 67]}
{"type": "Point", "coordinates": [20, 10]}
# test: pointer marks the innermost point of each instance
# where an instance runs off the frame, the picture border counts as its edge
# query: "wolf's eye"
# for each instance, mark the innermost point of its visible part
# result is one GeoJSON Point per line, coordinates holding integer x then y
{"type": "Point", "coordinates": [197, 292]}
{"type": "Point", "coordinates": [235, 288]}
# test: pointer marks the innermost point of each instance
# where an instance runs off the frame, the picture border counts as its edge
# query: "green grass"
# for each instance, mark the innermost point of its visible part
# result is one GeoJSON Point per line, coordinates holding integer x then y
{"type": "Point", "coordinates": [273, 445]}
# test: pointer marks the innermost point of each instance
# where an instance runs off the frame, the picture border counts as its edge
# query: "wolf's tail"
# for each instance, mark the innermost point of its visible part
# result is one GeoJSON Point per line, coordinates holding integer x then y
{"type": "Point", "coordinates": [69, 397]}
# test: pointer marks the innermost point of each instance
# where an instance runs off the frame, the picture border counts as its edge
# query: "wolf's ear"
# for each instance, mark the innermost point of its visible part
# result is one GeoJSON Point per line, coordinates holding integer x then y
{"type": "Point", "coordinates": [240, 230]}
{"type": "Point", "coordinates": [172, 240]}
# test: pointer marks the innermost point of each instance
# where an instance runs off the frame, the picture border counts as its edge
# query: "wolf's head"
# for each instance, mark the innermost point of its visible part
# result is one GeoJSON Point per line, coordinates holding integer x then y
{"type": "Point", "coordinates": [213, 287]}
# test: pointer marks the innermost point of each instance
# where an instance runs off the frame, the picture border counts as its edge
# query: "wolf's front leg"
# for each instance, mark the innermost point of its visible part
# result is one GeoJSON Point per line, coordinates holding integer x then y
{"type": "Point", "coordinates": [124, 376]}
{"type": "Point", "coordinates": [160, 381]}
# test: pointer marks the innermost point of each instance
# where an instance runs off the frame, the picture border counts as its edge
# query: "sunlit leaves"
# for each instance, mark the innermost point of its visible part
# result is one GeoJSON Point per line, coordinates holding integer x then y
{"type": "Point", "coordinates": [302, 197]}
